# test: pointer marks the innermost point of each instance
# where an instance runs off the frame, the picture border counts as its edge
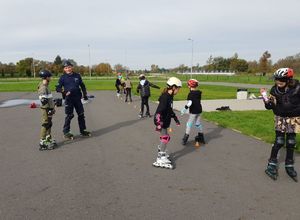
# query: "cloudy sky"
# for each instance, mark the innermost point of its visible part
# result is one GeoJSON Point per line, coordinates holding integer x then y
{"type": "Point", "coordinates": [138, 33]}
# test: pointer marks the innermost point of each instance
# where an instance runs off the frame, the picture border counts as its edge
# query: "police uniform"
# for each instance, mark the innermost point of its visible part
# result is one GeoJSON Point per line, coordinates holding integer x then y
{"type": "Point", "coordinates": [73, 83]}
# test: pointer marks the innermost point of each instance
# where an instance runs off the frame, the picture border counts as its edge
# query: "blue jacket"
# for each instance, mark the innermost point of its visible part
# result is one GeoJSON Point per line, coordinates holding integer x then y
{"type": "Point", "coordinates": [71, 83]}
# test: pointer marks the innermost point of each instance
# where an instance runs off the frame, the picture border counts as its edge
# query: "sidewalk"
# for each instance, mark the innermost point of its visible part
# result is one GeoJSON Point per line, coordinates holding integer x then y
{"type": "Point", "coordinates": [234, 104]}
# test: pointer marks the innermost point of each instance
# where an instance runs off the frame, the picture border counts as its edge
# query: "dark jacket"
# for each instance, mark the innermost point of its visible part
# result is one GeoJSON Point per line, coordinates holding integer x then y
{"type": "Point", "coordinates": [71, 83]}
{"type": "Point", "coordinates": [165, 110]}
{"type": "Point", "coordinates": [144, 89]}
{"type": "Point", "coordinates": [195, 97]}
{"type": "Point", "coordinates": [287, 103]}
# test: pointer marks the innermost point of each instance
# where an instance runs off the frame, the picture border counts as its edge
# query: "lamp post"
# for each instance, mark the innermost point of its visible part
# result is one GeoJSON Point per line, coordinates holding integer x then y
{"type": "Point", "coordinates": [90, 70]}
{"type": "Point", "coordinates": [192, 55]}
{"type": "Point", "coordinates": [33, 67]}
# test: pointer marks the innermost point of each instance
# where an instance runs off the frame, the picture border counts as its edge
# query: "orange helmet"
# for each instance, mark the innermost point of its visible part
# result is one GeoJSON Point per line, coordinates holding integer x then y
{"type": "Point", "coordinates": [193, 83]}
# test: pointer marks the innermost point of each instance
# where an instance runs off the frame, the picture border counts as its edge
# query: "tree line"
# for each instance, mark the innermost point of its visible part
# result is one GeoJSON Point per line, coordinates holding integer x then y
{"type": "Point", "coordinates": [30, 67]}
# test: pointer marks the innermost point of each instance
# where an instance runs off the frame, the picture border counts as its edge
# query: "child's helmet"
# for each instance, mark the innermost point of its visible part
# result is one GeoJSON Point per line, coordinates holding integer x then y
{"type": "Point", "coordinates": [193, 83]}
{"type": "Point", "coordinates": [173, 81]}
{"type": "Point", "coordinates": [283, 73]}
{"type": "Point", "coordinates": [44, 74]}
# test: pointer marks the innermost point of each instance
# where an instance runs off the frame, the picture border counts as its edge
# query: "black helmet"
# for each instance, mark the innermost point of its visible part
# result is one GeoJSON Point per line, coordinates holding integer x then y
{"type": "Point", "coordinates": [44, 74]}
{"type": "Point", "coordinates": [67, 63]}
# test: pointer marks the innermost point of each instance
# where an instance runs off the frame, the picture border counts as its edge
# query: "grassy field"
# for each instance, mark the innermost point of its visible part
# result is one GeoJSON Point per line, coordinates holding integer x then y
{"type": "Point", "coordinates": [254, 123]}
{"type": "Point", "coordinates": [209, 91]}
{"type": "Point", "coordinates": [243, 78]}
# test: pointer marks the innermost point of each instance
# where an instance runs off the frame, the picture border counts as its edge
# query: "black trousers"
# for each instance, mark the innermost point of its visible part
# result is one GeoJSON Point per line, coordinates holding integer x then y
{"type": "Point", "coordinates": [128, 93]}
{"type": "Point", "coordinates": [145, 102]}
{"type": "Point", "coordinates": [70, 104]}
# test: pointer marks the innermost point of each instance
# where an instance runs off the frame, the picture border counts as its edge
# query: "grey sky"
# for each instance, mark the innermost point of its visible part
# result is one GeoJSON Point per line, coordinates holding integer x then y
{"type": "Point", "coordinates": [139, 33]}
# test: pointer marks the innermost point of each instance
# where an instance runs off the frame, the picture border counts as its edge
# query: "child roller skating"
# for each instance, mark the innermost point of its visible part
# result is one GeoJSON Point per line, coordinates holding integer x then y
{"type": "Point", "coordinates": [284, 100]}
{"type": "Point", "coordinates": [47, 108]}
{"type": "Point", "coordinates": [162, 120]}
{"type": "Point", "coordinates": [144, 90]}
{"type": "Point", "coordinates": [195, 109]}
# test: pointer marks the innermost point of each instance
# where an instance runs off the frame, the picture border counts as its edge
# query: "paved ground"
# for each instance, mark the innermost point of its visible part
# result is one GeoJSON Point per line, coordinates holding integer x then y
{"type": "Point", "coordinates": [234, 104]}
{"type": "Point", "coordinates": [238, 85]}
{"type": "Point", "coordinates": [110, 176]}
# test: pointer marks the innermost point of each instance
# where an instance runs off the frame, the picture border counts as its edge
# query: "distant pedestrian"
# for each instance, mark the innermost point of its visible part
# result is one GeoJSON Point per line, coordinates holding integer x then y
{"type": "Point", "coordinates": [128, 87]}
{"type": "Point", "coordinates": [118, 84]}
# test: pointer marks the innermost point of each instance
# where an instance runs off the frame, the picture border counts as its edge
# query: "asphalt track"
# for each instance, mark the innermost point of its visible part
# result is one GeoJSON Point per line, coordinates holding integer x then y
{"type": "Point", "coordinates": [110, 175]}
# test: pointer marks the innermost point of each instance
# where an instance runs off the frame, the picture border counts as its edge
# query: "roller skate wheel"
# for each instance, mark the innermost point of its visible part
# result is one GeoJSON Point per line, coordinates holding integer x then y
{"type": "Point", "coordinates": [197, 144]}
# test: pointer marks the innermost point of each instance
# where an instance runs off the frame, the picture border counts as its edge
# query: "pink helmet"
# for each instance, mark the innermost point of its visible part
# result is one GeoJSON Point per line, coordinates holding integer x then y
{"type": "Point", "coordinates": [193, 83]}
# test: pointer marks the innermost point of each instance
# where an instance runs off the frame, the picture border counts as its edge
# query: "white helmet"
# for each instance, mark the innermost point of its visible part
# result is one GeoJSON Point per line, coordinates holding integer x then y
{"type": "Point", "coordinates": [173, 81]}
{"type": "Point", "coordinates": [142, 76]}
{"type": "Point", "coordinates": [284, 73]}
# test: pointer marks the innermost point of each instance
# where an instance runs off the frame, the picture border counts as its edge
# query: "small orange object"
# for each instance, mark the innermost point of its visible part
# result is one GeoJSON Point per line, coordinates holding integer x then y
{"type": "Point", "coordinates": [197, 144]}
{"type": "Point", "coordinates": [170, 130]}
{"type": "Point", "coordinates": [33, 105]}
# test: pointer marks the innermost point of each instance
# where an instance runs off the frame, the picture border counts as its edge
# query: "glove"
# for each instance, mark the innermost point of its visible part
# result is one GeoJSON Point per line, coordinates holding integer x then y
{"type": "Point", "coordinates": [176, 120]}
{"type": "Point", "coordinates": [51, 112]}
{"type": "Point", "coordinates": [183, 111]}
{"type": "Point", "coordinates": [158, 127]}
{"type": "Point", "coordinates": [85, 98]}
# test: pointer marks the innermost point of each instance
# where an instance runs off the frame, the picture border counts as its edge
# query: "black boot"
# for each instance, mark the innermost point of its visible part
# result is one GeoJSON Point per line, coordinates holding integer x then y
{"type": "Point", "coordinates": [200, 138]}
{"type": "Point", "coordinates": [272, 169]}
{"type": "Point", "coordinates": [185, 139]}
{"type": "Point", "coordinates": [289, 168]}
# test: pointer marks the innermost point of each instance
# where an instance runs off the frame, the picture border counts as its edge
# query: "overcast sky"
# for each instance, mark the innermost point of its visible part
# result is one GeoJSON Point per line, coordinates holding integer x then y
{"type": "Point", "coordinates": [138, 33]}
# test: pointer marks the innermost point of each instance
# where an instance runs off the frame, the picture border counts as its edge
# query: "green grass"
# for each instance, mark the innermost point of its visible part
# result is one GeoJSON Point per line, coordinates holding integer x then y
{"type": "Point", "coordinates": [254, 123]}
{"type": "Point", "coordinates": [209, 91]}
{"type": "Point", "coordinates": [241, 78]}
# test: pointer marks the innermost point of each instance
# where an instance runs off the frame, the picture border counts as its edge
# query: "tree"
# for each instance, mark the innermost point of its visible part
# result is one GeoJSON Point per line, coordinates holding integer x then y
{"type": "Point", "coordinates": [25, 67]}
{"type": "Point", "coordinates": [57, 61]}
{"type": "Point", "coordinates": [103, 69]}
{"type": "Point", "coordinates": [119, 68]}
{"type": "Point", "coordinates": [264, 64]}
{"type": "Point", "coordinates": [154, 68]}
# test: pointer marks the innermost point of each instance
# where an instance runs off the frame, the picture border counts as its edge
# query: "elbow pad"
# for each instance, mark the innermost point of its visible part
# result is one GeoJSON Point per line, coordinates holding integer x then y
{"type": "Point", "coordinates": [44, 101]}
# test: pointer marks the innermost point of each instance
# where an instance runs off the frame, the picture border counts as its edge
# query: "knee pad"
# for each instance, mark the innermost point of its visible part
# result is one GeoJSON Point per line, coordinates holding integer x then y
{"type": "Point", "coordinates": [70, 116]}
{"type": "Point", "coordinates": [189, 124]}
{"type": "Point", "coordinates": [279, 142]}
{"type": "Point", "coordinates": [47, 125]}
{"type": "Point", "coordinates": [165, 138]}
{"type": "Point", "coordinates": [198, 126]}
{"type": "Point", "coordinates": [81, 115]}
{"type": "Point", "coordinates": [290, 141]}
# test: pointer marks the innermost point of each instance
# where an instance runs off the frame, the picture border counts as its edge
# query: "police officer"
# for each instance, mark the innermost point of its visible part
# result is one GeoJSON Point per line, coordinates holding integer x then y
{"type": "Point", "coordinates": [72, 87]}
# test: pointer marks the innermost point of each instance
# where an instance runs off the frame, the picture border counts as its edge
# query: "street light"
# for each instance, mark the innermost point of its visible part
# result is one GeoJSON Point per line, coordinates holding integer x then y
{"type": "Point", "coordinates": [90, 70]}
{"type": "Point", "coordinates": [192, 55]}
{"type": "Point", "coordinates": [33, 67]}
